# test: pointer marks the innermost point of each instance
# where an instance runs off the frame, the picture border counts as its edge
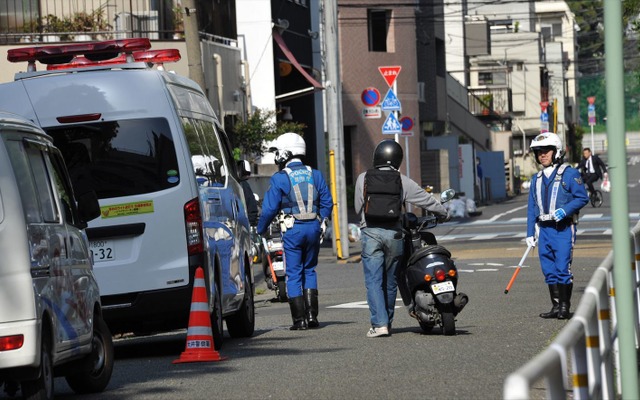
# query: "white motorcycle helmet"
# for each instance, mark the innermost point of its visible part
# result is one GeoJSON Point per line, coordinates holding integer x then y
{"type": "Point", "coordinates": [287, 146]}
{"type": "Point", "coordinates": [548, 140]}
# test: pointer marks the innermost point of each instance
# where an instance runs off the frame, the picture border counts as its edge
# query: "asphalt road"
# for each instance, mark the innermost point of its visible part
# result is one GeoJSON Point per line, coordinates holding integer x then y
{"type": "Point", "coordinates": [497, 333]}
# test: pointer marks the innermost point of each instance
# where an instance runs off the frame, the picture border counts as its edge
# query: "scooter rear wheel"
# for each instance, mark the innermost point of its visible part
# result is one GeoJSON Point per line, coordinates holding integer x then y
{"type": "Point", "coordinates": [282, 291]}
{"type": "Point", "coordinates": [448, 324]}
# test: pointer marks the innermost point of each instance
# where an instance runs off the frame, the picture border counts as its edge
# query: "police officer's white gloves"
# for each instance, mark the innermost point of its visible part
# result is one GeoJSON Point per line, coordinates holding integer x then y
{"type": "Point", "coordinates": [323, 229]}
{"type": "Point", "coordinates": [531, 241]}
{"type": "Point", "coordinates": [559, 214]}
{"type": "Point", "coordinates": [606, 175]}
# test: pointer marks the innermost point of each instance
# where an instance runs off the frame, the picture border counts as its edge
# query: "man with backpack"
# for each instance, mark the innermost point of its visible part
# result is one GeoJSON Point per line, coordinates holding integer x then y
{"type": "Point", "coordinates": [380, 194]}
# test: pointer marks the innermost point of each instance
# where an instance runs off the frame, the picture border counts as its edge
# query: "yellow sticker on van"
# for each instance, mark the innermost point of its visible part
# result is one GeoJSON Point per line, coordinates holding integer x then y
{"type": "Point", "coordinates": [122, 210]}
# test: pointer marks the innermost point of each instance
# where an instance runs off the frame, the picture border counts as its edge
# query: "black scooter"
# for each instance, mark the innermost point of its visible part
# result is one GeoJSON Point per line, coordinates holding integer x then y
{"type": "Point", "coordinates": [428, 277]}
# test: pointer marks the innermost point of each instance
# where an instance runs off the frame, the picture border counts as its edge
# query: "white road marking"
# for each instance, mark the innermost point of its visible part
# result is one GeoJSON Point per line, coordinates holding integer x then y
{"type": "Point", "coordinates": [484, 236]}
{"type": "Point", "coordinates": [591, 216]}
{"type": "Point", "coordinates": [487, 270]}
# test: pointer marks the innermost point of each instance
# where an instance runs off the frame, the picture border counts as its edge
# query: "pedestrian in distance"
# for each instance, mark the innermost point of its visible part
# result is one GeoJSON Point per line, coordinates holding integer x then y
{"type": "Point", "coordinates": [380, 194]}
{"type": "Point", "coordinates": [592, 167]}
{"type": "Point", "coordinates": [299, 196]}
{"type": "Point", "coordinates": [556, 196]}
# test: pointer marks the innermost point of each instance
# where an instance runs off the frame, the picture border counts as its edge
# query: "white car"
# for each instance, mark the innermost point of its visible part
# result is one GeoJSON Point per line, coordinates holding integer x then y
{"type": "Point", "coordinates": [50, 314]}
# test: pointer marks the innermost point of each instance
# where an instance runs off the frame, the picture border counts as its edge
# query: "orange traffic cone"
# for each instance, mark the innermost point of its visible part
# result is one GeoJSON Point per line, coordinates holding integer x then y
{"type": "Point", "coordinates": [200, 346]}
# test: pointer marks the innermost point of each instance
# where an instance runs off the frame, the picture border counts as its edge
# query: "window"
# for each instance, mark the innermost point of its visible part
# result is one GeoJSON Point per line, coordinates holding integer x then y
{"type": "Point", "coordinates": [378, 24]}
{"type": "Point", "coordinates": [119, 158]}
{"type": "Point", "coordinates": [208, 160]}
{"type": "Point", "coordinates": [26, 186]}
{"type": "Point", "coordinates": [492, 78]}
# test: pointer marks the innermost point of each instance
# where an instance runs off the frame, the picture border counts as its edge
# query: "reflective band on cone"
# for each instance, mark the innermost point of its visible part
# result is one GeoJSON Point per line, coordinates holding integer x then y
{"type": "Point", "coordinates": [200, 346]}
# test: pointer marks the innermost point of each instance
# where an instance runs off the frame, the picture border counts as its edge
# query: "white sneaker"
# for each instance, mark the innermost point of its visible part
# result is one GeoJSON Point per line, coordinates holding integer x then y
{"type": "Point", "coordinates": [379, 331]}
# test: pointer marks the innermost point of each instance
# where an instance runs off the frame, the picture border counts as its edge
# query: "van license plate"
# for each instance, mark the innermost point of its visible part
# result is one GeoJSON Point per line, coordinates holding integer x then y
{"type": "Point", "coordinates": [102, 250]}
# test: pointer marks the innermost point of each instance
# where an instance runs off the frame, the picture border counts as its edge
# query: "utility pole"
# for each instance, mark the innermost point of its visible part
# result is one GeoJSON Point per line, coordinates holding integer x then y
{"type": "Point", "coordinates": [333, 94]}
{"type": "Point", "coordinates": [622, 250]}
{"type": "Point", "coordinates": [192, 41]}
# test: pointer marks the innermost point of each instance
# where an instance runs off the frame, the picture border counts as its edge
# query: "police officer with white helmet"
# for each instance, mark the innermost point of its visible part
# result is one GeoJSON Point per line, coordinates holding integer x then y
{"type": "Point", "coordinates": [556, 196]}
{"type": "Point", "coordinates": [302, 195]}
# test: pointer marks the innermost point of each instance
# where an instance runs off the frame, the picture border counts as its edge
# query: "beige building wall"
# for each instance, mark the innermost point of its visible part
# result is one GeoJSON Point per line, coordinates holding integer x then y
{"type": "Point", "coordinates": [360, 71]}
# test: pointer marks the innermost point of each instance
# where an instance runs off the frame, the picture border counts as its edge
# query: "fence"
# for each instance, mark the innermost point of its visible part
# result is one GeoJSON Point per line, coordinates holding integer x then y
{"type": "Point", "coordinates": [588, 338]}
{"type": "Point", "coordinates": [55, 20]}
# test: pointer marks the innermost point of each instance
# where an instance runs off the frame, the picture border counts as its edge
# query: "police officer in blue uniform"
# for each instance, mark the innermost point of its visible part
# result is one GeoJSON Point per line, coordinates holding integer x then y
{"type": "Point", "coordinates": [301, 195]}
{"type": "Point", "coordinates": [556, 196]}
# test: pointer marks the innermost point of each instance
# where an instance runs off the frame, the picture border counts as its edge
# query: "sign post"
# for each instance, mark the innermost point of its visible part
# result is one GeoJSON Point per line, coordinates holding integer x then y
{"type": "Point", "coordinates": [390, 74]}
{"type": "Point", "coordinates": [544, 117]}
{"type": "Point", "coordinates": [592, 118]}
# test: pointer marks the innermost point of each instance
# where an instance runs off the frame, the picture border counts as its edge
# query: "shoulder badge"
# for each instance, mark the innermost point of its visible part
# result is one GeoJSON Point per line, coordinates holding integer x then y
{"type": "Point", "coordinates": [578, 180]}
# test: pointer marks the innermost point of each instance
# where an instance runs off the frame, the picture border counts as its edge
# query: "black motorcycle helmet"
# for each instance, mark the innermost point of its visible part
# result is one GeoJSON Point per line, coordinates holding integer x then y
{"type": "Point", "coordinates": [388, 153]}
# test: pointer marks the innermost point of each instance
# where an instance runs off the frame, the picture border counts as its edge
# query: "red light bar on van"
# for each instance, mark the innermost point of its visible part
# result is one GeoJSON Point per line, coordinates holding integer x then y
{"type": "Point", "coordinates": [61, 54]}
{"type": "Point", "coordinates": [70, 119]}
{"type": "Point", "coordinates": [156, 57]}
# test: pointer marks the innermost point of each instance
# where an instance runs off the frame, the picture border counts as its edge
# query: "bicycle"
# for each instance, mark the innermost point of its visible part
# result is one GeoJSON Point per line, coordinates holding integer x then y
{"type": "Point", "coordinates": [595, 197]}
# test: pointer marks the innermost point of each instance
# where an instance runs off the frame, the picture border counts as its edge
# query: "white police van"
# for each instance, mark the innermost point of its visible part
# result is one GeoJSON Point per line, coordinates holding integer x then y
{"type": "Point", "coordinates": [50, 317]}
{"type": "Point", "coordinates": [129, 130]}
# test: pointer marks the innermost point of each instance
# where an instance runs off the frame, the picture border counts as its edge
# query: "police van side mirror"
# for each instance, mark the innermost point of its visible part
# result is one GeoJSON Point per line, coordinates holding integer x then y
{"type": "Point", "coordinates": [244, 169]}
{"type": "Point", "coordinates": [88, 206]}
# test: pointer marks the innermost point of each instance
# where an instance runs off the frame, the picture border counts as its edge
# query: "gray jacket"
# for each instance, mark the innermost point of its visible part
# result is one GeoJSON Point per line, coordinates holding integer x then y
{"type": "Point", "coordinates": [412, 193]}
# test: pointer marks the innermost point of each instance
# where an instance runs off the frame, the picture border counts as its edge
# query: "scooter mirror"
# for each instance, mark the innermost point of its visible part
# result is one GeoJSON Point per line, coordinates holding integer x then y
{"type": "Point", "coordinates": [447, 195]}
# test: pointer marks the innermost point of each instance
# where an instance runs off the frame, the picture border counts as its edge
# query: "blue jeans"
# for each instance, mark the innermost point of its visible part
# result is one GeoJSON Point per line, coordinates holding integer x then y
{"type": "Point", "coordinates": [381, 254]}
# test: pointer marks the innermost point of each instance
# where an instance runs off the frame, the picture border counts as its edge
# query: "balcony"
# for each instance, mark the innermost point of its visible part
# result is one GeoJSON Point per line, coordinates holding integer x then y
{"type": "Point", "coordinates": [61, 20]}
{"type": "Point", "coordinates": [491, 103]}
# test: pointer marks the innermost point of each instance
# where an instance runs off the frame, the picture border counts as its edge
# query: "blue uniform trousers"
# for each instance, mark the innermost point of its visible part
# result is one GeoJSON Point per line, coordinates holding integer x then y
{"type": "Point", "coordinates": [301, 246]}
{"type": "Point", "coordinates": [555, 248]}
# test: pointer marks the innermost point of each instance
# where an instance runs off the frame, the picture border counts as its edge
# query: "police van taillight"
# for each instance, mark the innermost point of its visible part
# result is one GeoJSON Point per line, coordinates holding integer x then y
{"type": "Point", "coordinates": [92, 53]}
{"type": "Point", "coordinates": [193, 223]}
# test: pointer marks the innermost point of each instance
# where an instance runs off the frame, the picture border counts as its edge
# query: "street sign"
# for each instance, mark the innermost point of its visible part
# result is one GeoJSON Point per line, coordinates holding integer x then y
{"type": "Point", "coordinates": [371, 113]}
{"type": "Point", "coordinates": [407, 134]}
{"type": "Point", "coordinates": [391, 125]}
{"type": "Point", "coordinates": [370, 97]}
{"type": "Point", "coordinates": [544, 117]}
{"type": "Point", "coordinates": [391, 102]}
{"type": "Point", "coordinates": [390, 73]}
{"type": "Point", "coordinates": [407, 124]}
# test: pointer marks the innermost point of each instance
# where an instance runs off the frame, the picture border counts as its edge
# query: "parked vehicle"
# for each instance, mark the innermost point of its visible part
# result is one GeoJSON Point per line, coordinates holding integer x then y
{"type": "Point", "coordinates": [51, 321]}
{"type": "Point", "coordinates": [428, 277]}
{"type": "Point", "coordinates": [149, 144]}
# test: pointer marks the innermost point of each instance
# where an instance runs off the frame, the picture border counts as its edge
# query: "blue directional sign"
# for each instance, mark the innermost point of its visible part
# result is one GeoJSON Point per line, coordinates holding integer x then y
{"type": "Point", "coordinates": [391, 102]}
{"type": "Point", "coordinates": [591, 107]}
{"type": "Point", "coordinates": [391, 125]}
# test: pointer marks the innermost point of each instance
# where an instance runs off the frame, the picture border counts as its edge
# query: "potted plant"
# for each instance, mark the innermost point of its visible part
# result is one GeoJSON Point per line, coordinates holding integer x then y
{"type": "Point", "coordinates": [94, 21]}
{"type": "Point", "coordinates": [486, 100]}
{"type": "Point", "coordinates": [55, 28]}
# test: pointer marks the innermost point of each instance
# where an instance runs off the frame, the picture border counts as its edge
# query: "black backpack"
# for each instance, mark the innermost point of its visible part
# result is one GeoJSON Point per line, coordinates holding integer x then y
{"type": "Point", "coordinates": [382, 197]}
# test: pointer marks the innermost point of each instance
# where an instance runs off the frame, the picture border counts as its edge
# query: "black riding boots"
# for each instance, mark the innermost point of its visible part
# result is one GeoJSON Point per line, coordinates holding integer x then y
{"type": "Point", "coordinates": [565, 301]}
{"type": "Point", "coordinates": [297, 313]}
{"type": "Point", "coordinates": [311, 307]}
{"type": "Point", "coordinates": [554, 293]}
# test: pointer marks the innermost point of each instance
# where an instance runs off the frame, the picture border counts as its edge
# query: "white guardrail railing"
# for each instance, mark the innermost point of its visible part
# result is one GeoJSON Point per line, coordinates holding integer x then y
{"type": "Point", "coordinates": [589, 338]}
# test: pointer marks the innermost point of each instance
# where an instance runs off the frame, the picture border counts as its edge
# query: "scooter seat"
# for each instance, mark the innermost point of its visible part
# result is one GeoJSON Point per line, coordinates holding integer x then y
{"type": "Point", "coordinates": [425, 251]}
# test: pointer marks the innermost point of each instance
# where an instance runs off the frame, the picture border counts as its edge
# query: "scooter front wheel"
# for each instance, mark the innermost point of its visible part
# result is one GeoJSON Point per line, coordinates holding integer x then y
{"type": "Point", "coordinates": [448, 323]}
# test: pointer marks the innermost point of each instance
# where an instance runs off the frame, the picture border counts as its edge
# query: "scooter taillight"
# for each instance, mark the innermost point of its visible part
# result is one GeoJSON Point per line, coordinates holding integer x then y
{"type": "Point", "coordinates": [440, 275]}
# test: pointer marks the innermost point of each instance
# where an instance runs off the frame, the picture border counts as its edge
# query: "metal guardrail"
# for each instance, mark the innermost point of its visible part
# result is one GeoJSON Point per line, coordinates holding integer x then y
{"type": "Point", "coordinates": [588, 342]}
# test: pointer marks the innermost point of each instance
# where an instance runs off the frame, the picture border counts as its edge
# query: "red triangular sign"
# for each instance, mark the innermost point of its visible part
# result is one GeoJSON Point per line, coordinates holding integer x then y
{"type": "Point", "coordinates": [390, 73]}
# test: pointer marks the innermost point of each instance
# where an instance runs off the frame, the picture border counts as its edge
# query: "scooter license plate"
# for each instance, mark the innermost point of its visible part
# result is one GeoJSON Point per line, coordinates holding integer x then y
{"type": "Point", "coordinates": [446, 286]}
{"type": "Point", "coordinates": [278, 265]}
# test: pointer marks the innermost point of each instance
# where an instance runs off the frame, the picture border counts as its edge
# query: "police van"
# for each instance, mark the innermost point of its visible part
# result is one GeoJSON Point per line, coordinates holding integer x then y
{"type": "Point", "coordinates": [50, 317]}
{"type": "Point", "coordinates": [148, 142]}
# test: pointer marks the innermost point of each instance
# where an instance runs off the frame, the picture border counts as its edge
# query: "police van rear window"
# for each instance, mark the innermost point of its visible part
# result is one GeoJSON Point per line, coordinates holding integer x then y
{"type": "Point", "coordinates": [119, 158]}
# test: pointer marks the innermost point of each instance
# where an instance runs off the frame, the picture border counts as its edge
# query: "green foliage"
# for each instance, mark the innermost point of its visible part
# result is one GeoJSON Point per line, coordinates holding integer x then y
{"type": "Point", "coordinates": [248, 136]}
